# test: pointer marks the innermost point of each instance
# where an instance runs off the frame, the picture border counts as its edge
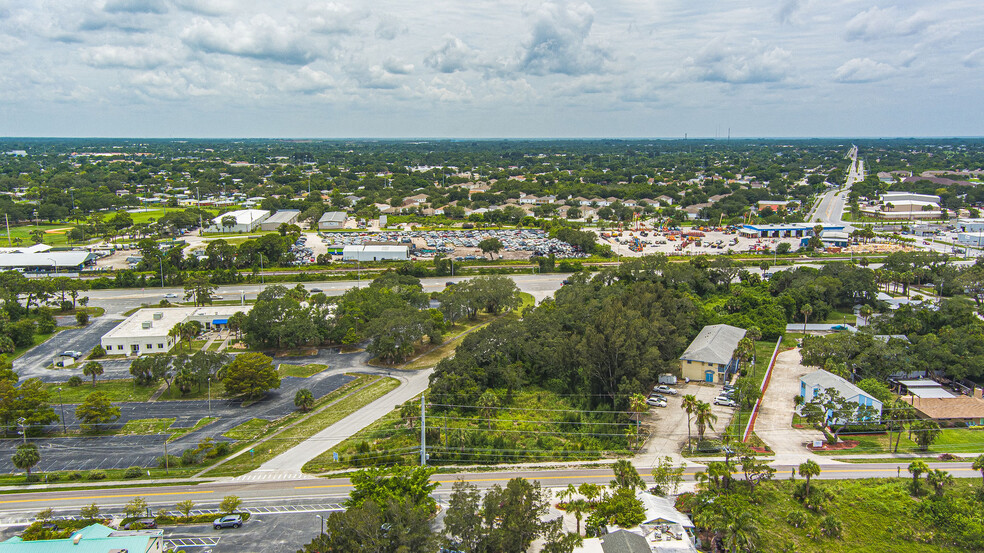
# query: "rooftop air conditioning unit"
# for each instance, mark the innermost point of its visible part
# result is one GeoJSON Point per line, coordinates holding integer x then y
{"type": "Point", "coordinates": [158, 316]}
{"type": "Point", "coordinates": [147, 324]}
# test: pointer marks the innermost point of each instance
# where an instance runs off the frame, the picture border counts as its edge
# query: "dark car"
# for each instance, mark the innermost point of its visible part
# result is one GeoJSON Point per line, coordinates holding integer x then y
{"type": "Point", "coordinates": [316, 290]}
{"type": "Point", "coordinates": [141, 524]}
{"type": "Point", "coordinates": [228, 521]}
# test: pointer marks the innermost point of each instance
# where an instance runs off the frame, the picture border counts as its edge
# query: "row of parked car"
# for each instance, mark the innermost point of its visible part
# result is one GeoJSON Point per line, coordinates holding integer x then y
{"type": "Point", "coordinates": [726, 397]}
{"type": "Point", "coordinates": [656, 397]}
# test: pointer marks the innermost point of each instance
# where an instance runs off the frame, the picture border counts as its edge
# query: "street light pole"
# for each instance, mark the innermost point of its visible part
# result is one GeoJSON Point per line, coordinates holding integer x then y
{"type": "Point", "coordinates": [61, 405]}
{"type": "Point", "coordinates": [209, 396]}
{"type": "Point", "coordinates": [322, 524]}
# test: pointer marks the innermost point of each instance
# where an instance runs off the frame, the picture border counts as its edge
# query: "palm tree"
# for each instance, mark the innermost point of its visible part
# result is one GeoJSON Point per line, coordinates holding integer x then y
{"type": "Point", "coordinates": [865, 313]}
{"type": "Point", "coordinates": [939, 480]}
{"type": "Point", "coordinates": [705, 419]}
{"type": "Point", "coordinates": [637, 404]}
{"type": "Point", "coordinates": [577, 508]}
{"type": "Point", "coordinates": [93, 369]}
{"type": "Point", "coordinates": [979, 465]}
{"type": "Point", "coordinates": [902, 412]}
{"type": "Point", "coordinates": [916, 469]}
{"type": "Point", "coordinates": [304, 400]}
{"type": "Point", "coordinates": [806, 310]}
{"type": "Point", "coordinates": [741, 532]}
{"type": "Point", "coordinates": [745, 350]}
{"type": "Point", "coordinates": [690, 406]}
{"type": "Point", "coordinates": [488, 402]}
{"type": "Point", "coordinates": [808, 470]}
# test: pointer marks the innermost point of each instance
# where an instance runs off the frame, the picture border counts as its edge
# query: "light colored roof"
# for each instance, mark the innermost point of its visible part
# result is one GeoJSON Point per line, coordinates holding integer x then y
{"type": "Point", "coordinates": [283, 216]}
{"type": "Point", "coordinates": [962, 407]}
{"type": "Point", "coordinates": [834, 235]}
{"type": "Point", "coordinates": [333, 216]}
{"type": "Point", "coordinates": [385, 249]}
{"type": "Point", "coordinates": [714, 344]}
{"type": "Point", "coordinates": [920, 383]}
{"type": "Point", "coordinates": [824, 379]}
{"type": "Point", "coordinates": [660, 510]}
{"type": "Point", "coordinates": [133, 326]}
{"type": "Point", "coordinates": [95, 539]}
{"type": "Point", "coordinates": [242, 216]}
{"type": "Point", "coordinates": [46, 259]}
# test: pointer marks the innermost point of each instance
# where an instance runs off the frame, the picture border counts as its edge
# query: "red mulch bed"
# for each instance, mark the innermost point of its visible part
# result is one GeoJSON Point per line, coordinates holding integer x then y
{"type": "Point", "coordinates": [760, 450]}
{"type": "Point", "coordinates": [843, 444]}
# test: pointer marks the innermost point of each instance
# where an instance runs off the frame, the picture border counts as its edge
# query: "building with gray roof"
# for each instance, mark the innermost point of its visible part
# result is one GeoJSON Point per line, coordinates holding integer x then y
{"type": "Point", "coordinates": [814, 383]}
{"type": "Point", "coordinates": [711, 356]}
{"type": "Point", "coordinates": [282, 217]}
{"type": "Point", "coordinates": [332, 220]}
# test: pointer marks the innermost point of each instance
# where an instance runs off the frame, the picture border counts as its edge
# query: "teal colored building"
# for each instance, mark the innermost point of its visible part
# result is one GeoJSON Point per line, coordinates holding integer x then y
{"type": "Point", "coordinates": [92, 539]}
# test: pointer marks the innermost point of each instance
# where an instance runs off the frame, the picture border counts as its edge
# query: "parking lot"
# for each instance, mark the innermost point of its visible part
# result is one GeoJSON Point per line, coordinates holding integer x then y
{"type": "Point", "coordinates": [710, 242]}
{"type": "Point", "coordinates": [463, 244]}
{"type": "Point", "coordinates": [668, 425]}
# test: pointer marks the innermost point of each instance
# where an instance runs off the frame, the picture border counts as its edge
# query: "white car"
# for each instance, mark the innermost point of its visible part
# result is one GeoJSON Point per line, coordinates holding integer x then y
{"type": "Point", "coordinates": [170, 295]}
{"type": "Point", "coordinates": [725, 402]}
{"type": "Point", "coordinates": [656, 402]}
{"type": "Point", "coordinates": [663, 389]}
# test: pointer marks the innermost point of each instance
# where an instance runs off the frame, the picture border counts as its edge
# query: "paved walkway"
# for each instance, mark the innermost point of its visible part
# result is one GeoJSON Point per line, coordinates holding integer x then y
{"type": "Point", "coordinates": [774, 423]}
{"type": "Point", "coordinates": [290, 462]}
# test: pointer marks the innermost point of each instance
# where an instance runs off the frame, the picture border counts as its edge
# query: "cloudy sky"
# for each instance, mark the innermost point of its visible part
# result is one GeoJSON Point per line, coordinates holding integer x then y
{"type": "Point", "coordinates": [503, 68]}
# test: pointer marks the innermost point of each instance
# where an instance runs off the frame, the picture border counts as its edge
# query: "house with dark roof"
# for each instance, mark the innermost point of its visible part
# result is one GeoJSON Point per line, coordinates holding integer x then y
{"type": "Point", "coordinates": [711, 356]}
{"type": "Point", "coordinates": [623, 541]}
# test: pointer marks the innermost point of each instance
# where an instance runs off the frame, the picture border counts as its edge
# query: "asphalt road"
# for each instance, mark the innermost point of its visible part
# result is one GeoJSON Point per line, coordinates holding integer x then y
{"type": "Point", "coordinates": [17, 505]}
{"type": "Point", "coordinates": [119, 301]}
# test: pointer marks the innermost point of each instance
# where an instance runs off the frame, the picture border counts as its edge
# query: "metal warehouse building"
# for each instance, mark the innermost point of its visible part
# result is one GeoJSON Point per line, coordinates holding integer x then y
{"type": "Point", "coordinates": [282, 217]}
{"type": "Point", "coordinates": [375, 253]}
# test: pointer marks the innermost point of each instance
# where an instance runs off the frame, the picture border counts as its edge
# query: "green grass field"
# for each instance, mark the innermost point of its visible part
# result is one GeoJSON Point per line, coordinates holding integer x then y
{"type": "Point", "coordinates": [877, 515]}
{"type": "Point", "coordinates": [951, 440]}
{"type": "Point", "coordinates": [146, 426]}
{"type": "Point", "coordinates": [54, 235]}
{"type": "Point", "coordinates": [301, 371]}
{"type": "Point", "coordinates": [116, 390]}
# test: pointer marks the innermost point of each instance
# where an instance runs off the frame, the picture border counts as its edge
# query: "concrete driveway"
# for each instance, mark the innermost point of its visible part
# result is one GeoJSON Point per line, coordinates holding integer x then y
{"type": "Point", "coordinates": [774, 423]}
{"type": "Point", "coordinates": [669, 424]}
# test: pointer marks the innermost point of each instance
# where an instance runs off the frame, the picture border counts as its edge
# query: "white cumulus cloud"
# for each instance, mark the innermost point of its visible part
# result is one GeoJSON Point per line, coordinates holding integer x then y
{"type": "Point", "coordinates": [863, 70]}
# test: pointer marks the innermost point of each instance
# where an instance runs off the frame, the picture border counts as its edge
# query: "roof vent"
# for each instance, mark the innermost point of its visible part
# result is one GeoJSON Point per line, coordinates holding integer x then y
{"type": "Point", "coordinates": [158, 316]}
{"type": "Point", "coordinates": [77, 538]}
{"type": "Point", "coordinates": [147, 324]}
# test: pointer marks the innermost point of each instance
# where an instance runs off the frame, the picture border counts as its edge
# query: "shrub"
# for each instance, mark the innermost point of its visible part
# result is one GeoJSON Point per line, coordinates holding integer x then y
{"type": "Point", "coordinates": [96, 475]}
{"type": "Point", "coordinates": [97, 352]}
{"type": "Point", "coordinates": [190, 457]}
{"type": "Point", "coordinates": [82, 318]}
{"type": "Point", "coordinates": [166, 461]}
{"type": "Point", "coordinates": [75, 381]}
{"type": "Point", "coordinates": [52, 477]}
{"type": "Point", "coordinates": [796, 519]}
{"type": "Point", "coordinates": [75, 475]}
{"type": "Point", "coordinates": [831, 527]}
{"type": "Point", "coordinates": [133, 472]}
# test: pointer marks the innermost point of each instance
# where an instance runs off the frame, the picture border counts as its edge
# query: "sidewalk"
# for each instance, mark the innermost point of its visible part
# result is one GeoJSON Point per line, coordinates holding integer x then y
{"type": "Point", "coordinates": [291, 461]}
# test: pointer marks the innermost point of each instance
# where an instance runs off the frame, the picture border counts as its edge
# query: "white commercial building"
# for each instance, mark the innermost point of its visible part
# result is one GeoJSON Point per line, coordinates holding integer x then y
{"type": "Point", "coordinates": [375, 253]}
{"type": "Point", "coordinates": [47, 260]}
{"type": "Point", "coordinates": [245, 220]}
{"type": "Point", "coordinates": [146, 331]}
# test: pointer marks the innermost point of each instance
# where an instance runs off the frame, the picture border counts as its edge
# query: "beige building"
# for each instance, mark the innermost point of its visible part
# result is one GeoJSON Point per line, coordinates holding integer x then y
{"type": "Point", "coordinates": [711, 356]}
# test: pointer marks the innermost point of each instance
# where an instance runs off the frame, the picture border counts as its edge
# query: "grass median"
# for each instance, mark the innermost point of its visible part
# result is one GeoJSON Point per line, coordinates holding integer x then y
{"type": "Point", "coordinates": [345, 403]}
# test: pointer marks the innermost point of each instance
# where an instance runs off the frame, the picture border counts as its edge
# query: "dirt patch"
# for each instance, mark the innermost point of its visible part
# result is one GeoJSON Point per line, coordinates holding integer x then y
{"type": "Point", "coordinates": [839, 446]}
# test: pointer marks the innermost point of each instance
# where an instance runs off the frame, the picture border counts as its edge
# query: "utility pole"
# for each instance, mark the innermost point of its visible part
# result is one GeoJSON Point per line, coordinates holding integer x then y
{"type": "Point", "coordinates": [423, 436]}
{"type": "Point", "coordinates": [166, 467]}
{"type": "Point", "coordinates": [62, 406]}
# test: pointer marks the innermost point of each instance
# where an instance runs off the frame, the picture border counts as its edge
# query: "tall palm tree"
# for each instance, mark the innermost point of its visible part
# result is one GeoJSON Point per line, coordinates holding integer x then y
{"type": "Point", "coordinates": [637, 404]}
{"type": "Point", "coordinates": [741, 532]}
{"type": "Point", "coordinates": [705, 419]}
{"type": "Point", "coordinates": [902, 413]}
{"type": "Point", "coordinates": [808, 470]}
{"type": "Point", "coordinates": [806, 310]}
{"type": "Point", "coordinates": [690, 406]}
{"type": "Point", "coordinates": [866, 312]}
